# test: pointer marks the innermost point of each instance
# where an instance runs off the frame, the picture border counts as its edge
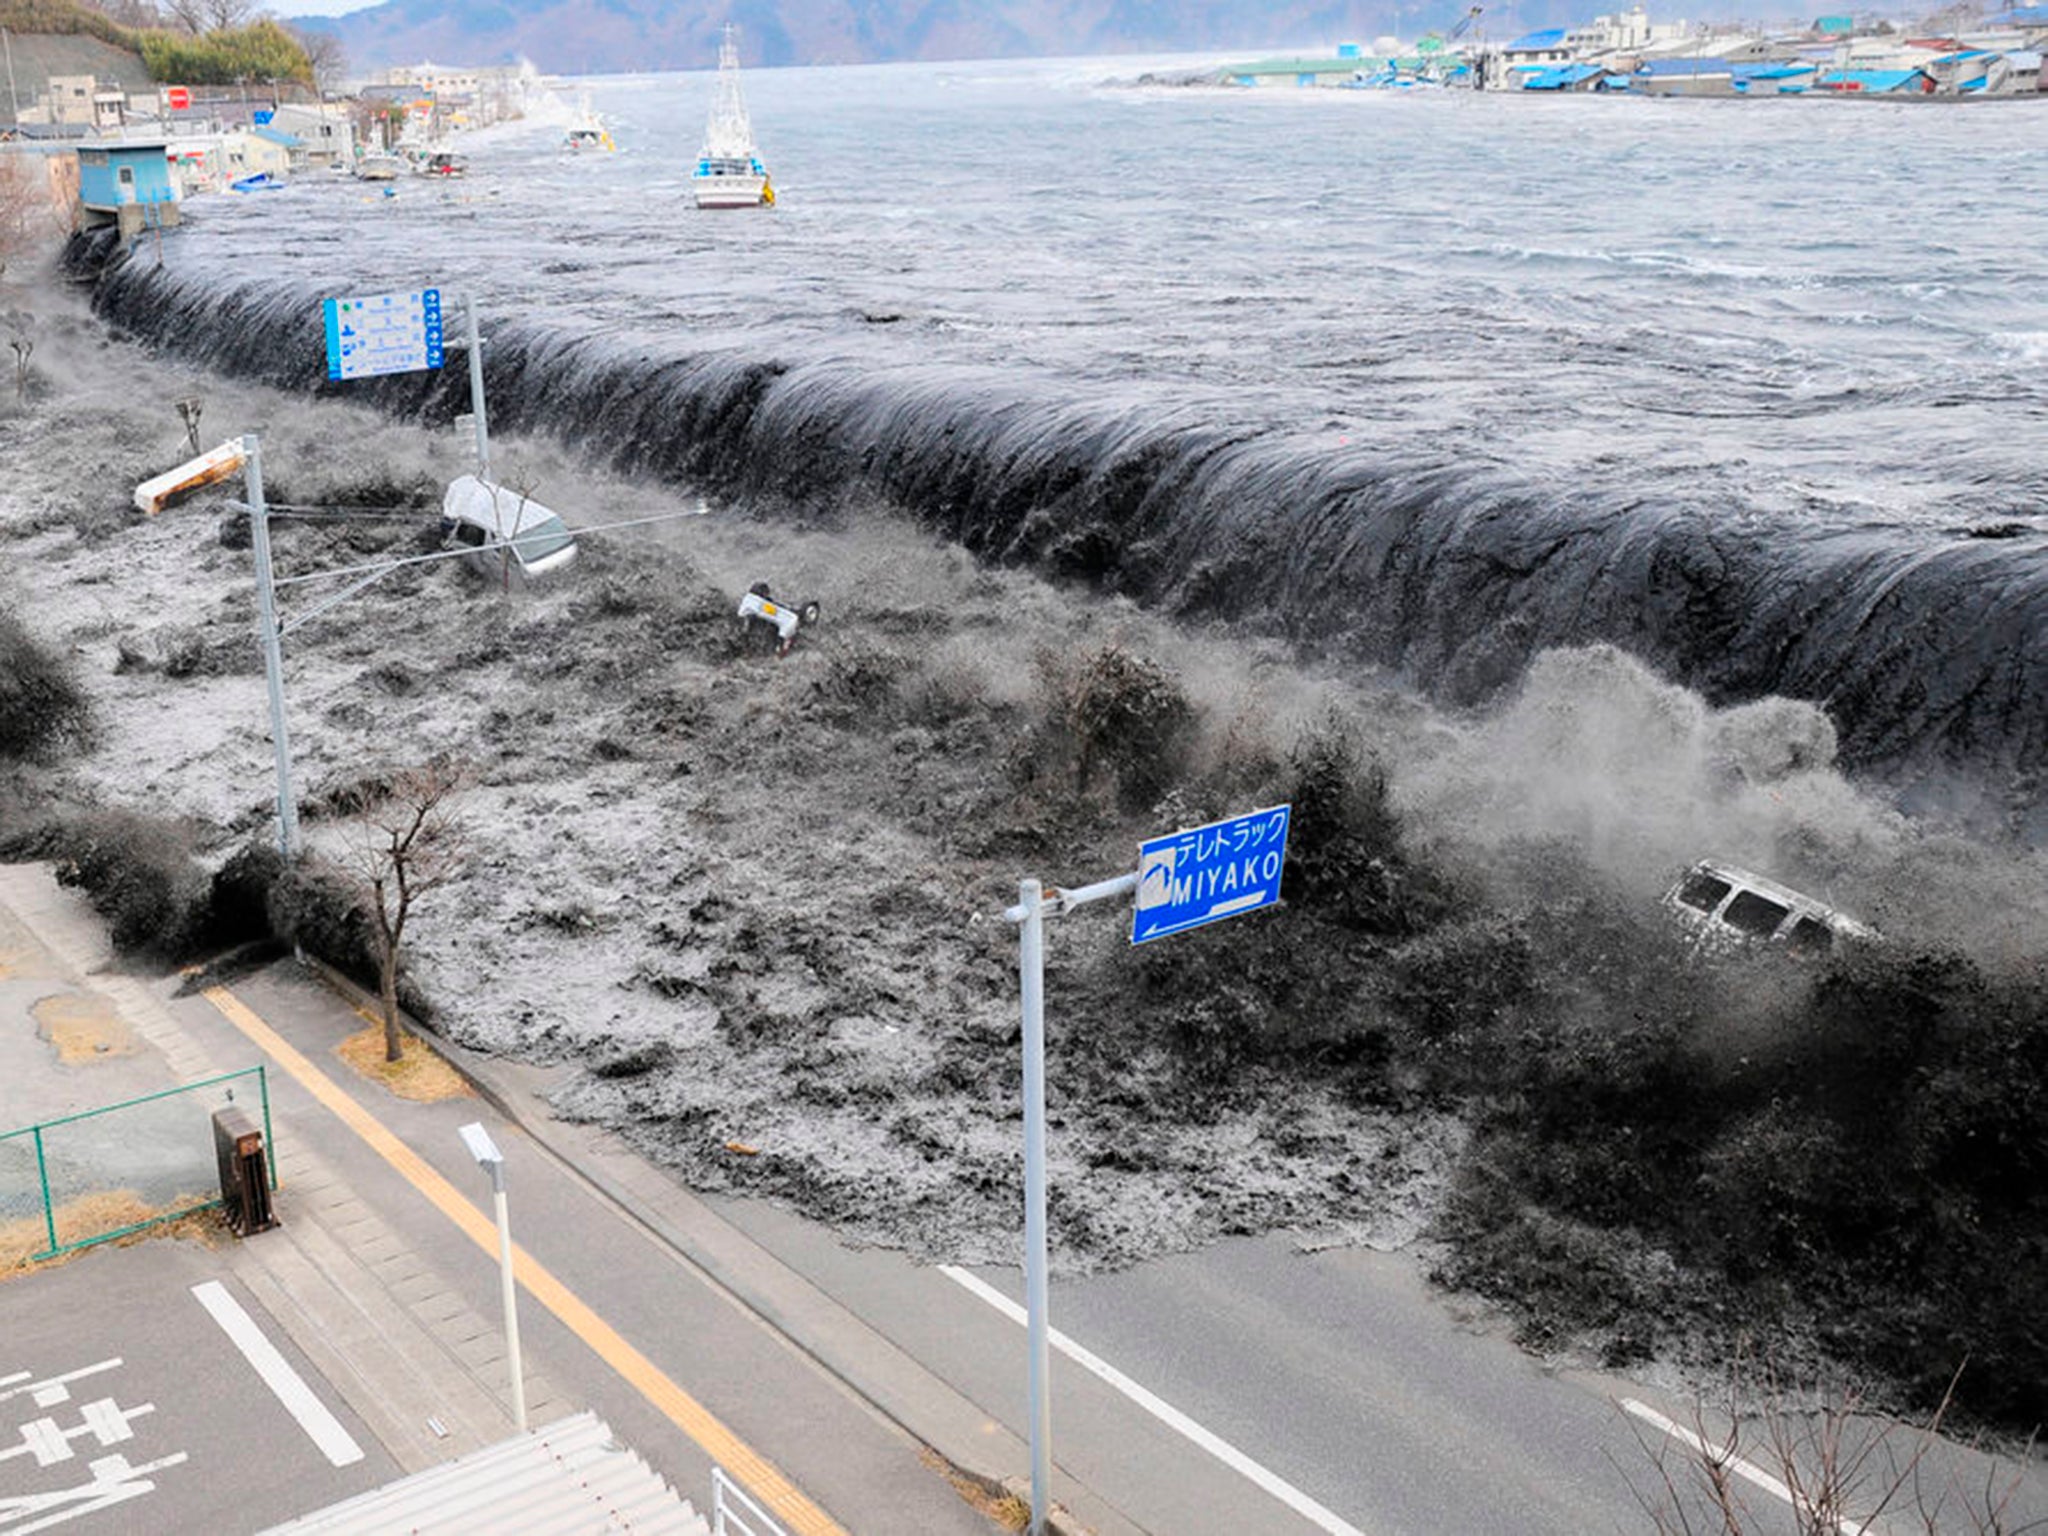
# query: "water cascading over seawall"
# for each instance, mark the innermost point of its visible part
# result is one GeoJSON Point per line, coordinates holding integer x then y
{"type": "Point", "coordinates": [1926, 646]}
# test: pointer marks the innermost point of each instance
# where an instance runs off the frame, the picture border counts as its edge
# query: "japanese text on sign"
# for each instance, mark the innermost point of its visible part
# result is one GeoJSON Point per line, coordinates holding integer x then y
{"type": "Point", "coordinates": [1208, 873]}
{"type": "Point", "coordinates": [382, 333]}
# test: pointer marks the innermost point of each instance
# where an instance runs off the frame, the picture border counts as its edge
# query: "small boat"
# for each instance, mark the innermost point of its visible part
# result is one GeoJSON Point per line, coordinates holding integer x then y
{"type": "Point", "coordinates": [588, 132]}
{"type": "Point", "coordinates": [262, 181]}
{"type": "Point", "coordinates": [729, 174]}
{"type": "Point", "coordinates": [444, 162]}
{"type": "Point", "coordinates": [379, 167]}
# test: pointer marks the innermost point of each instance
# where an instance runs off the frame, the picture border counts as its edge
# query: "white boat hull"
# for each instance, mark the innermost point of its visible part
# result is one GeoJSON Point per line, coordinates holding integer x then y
{"type": "Point", "coordinates": [731, 191]}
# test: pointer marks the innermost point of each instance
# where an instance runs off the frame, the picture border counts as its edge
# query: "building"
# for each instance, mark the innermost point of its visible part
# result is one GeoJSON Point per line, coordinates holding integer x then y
{"type": "Point", "coordinates": [1341, 70]}
{"type": "Point", "coordinates": [326, 134]}
{"type": "Point", "coordinates": [129, 185]}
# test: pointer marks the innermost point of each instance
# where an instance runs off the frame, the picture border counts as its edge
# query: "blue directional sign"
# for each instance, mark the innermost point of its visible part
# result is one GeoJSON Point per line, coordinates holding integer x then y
{"type": "Point", "coordinates": [382, 333]}
{"type": "Point", "coordinates": [1209, 873]}
{"type": "Point", "coordinates": [262, 117]}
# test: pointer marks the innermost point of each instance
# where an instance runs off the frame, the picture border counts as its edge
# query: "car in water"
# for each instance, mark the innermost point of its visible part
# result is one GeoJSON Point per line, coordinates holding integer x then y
{"type": "Point", "coordinates": [504, 532]}
{"type": "Point", "coordinates": [1728, 908]}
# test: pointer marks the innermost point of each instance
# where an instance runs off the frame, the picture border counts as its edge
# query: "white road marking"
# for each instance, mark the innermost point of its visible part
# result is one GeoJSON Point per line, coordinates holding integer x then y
{"type": "Point", "coordinates": [322, 1427]}
{"type": "Point", "coordinates": [1163, 1411]}
{"type": "Point", "coordinates": [1746, 1470]}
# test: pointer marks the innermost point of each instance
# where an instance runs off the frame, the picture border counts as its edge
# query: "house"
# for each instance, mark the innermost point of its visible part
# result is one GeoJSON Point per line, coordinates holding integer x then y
{"type": "Point", "coordinates": [326, 135]}
{"type": "Point", "coordinates": [71, 100]}
{"type": "Point", "coordinates": [1536, 50]}
{"type": "Point", "coordinates": [129, 185]}
{"type": "Point", "coordinates": [1684, 77]}
{"type": "Point", "coordinates": [258, 151]}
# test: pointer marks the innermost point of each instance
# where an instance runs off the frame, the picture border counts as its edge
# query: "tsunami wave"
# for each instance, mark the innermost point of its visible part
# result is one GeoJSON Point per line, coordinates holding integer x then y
{"type": "Point", "coordinates": [1925, 646]}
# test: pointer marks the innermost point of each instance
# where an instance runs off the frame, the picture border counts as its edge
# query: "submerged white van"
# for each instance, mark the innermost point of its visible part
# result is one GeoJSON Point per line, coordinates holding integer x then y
{"type": "Point", "coordinates": [504, 530]}
{"type": "Point", "coordinates": [1726, 906]}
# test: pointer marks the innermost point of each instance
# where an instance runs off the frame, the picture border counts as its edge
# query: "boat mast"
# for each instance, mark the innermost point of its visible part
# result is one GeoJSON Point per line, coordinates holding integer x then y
{"type": "Point", "coordinates": [728, 134]}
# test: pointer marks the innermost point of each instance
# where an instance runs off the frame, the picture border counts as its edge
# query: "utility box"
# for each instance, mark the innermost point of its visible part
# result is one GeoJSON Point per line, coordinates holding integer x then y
{"type": "Point", "coordinates": [244, 1171]}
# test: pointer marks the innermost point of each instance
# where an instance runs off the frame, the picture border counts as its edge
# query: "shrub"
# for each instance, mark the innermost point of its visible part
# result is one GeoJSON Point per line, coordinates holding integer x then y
{"type": "Point", "coordinates": [41, 704]}
{"type": "Point", "coordinates": [141, 874]}
{"type": "Point", "coordinates": [1124, 716]}
{"type": "Point", "coordinates": [1344, 854]}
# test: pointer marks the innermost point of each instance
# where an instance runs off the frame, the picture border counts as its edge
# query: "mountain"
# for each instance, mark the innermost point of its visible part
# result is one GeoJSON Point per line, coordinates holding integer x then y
{"type": "Point", "coordinates": [606, 36]}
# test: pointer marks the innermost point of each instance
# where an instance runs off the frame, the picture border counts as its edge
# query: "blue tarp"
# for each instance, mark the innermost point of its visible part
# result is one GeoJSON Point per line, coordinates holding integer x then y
{"type": "Point", "coordinates": [1561, 78]}
{"type": "Point", "coordinates": [278, 136]}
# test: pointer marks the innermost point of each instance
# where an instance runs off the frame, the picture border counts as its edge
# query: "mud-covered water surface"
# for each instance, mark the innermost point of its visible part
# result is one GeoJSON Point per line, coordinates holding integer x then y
{"type": "Point", "coordinates": [756, 899]}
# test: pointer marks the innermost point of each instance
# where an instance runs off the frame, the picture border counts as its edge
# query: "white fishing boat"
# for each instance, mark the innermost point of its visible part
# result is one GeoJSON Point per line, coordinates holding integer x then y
{"type": "Point", "coordinates": [377, 166]}
{"type": "Point", "coordinates": [729, 173]}
{"type": "Point", "coordinates": [587, 132]}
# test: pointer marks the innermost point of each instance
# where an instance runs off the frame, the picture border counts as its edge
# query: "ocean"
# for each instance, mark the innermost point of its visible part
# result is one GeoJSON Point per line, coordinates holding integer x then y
{"type": "Point", "coordinates": [1431, 382]}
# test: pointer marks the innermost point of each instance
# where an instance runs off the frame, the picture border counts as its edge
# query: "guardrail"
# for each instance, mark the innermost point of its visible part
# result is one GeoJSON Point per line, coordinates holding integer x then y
{"type": "Point", "coordinates": [735, 1512]}
{"type": "Point", "coordinates": [103, 1173]}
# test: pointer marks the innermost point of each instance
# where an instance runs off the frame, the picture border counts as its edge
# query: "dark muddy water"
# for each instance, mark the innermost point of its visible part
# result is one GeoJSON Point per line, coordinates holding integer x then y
{"type": "Point", "coordinates": [1752, 389]}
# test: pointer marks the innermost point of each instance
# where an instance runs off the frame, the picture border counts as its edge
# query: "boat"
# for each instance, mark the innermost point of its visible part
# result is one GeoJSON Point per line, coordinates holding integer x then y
{"type": "Point", "coordinates": [379, 167]}
{"type": "Point", "coordinates": [262, 181]}
{"type": "Point", "coordinates": [588, 132]}
{"type": "Point", "coordinates": [729, 174]}
{"type": "Point", "coordinates": [444, 162]}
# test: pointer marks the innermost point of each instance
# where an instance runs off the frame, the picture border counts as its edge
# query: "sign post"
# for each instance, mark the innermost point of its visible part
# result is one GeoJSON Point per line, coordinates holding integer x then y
{"type": "Point", "coordinates": [1182, 881]}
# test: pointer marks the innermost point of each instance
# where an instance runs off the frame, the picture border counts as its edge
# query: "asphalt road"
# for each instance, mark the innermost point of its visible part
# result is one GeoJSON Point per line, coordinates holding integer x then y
{"type": "Point", "coordinates": [125, 1406]}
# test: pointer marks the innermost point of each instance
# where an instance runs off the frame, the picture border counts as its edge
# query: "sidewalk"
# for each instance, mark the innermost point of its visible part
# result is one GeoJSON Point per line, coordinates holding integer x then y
{"type": "Point", "coordinates": [366, 1291]}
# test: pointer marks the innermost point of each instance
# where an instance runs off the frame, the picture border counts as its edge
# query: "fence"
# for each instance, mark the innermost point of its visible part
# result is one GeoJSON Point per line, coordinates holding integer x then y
{"type": "Point", "coordinates": [734, 1512]}
{"type": "Point", "coordinates": [103, 1173]}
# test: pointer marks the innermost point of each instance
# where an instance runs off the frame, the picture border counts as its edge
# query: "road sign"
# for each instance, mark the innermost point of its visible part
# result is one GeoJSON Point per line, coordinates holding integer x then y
{"type": "Point", "coordinates": [383, 333]}
{"type": "Point", "coordinates": [178, 99]}
{"type": "Point", "coordinates": [1206, 874]}
{"type": "Point", "coordinates": [262, 116]}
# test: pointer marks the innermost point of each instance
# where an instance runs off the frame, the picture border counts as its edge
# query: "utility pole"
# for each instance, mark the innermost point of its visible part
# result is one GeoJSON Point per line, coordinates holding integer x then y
{"type": "Point", "coordinates": [273, 652]}
{"type": "Point", "coordinates": [476, 392]}
{"type": "Point", "coordinates": [13, 101]}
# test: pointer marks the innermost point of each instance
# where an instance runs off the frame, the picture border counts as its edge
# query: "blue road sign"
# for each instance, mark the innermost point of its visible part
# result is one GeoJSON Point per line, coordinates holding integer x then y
{"type": "Point", "coordinates": [1209, 873]}
{"type": "Point", "coordinates": [262, 117]}
{"type": "Point", "coordinates": [382, 333]}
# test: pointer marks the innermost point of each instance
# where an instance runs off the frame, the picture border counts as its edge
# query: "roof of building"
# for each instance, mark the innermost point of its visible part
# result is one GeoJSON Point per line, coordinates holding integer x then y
{"type": "Point", "coordinates": [279, 136]}
{"type": "Point", "coordinates": [1561, 77]}
{"type": "Point", "coordinates": [1685, 67]}
{"type": "Point", "coordinates": [1870, 81]}
{"type": "Point", "coordinates": [563, 1479]}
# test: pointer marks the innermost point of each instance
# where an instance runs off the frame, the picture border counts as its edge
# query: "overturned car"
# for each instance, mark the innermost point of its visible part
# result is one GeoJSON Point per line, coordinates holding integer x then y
{"type": "Point", "coordinates": [1727, 907]}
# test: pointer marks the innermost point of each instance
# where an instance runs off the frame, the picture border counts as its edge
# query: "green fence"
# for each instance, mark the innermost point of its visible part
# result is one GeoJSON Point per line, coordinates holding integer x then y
{"type": "Point", "coordinates": [101, 1174]}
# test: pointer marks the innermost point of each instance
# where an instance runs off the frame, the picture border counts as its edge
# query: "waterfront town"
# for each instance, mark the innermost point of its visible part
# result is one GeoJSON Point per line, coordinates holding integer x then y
{"type": "Point", "coordinates": [1952, 57]}
{"type": "Point", "coordinates": [71, 91]}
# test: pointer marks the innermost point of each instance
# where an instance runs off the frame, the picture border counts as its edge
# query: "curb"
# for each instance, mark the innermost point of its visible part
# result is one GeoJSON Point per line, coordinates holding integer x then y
{"type": "Point", "coordinates": [1059, 1520]}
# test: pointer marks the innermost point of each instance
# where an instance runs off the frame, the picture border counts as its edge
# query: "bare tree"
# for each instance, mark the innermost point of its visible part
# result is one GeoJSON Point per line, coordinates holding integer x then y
{"type": "Point", "coordinates": [227, 15]}
{"type": "Point", "coordinates": [189, 14]}
{"type": "Point", "coordinates": [1823, 1461]}
{"type": "Point", "coordinates": [410, 841]}
{"type": "Point", "coordinates": [324, 53]}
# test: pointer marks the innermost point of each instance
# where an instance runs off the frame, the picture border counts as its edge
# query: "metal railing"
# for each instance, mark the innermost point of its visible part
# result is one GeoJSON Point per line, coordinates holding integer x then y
{"type": "Point", "coordinates": [104, 1173]}
{"type": "Point", "coordinates": [735, 1512]}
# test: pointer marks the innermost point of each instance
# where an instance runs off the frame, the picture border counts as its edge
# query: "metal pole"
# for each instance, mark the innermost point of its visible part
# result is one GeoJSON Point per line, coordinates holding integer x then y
{"type": "Point", "coordinates": [505, 1286]}
{"type": "Point", "coordinates": [476, 395]}
{"type": "Point", "coordinates": [43, 1175]}
{"type": "Point", "coordinates": [273, 655]}
{"type": "Point", "coordinates": [1031, 975]}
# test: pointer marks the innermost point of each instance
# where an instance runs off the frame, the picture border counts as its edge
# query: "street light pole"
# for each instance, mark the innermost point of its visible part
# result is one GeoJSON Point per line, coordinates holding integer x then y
{"type": "Point", "coordinates": [273, 653]}
{"type": "Point", "coordinates": [1032, 909]}
{"type": "Point", "coordinates": [492, 1161]}
{"type": "Point", "coordinates": [476, 392]}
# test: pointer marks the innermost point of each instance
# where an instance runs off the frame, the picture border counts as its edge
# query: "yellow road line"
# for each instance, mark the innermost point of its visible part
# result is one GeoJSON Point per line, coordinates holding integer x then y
{"type": "Point", "coordinates": [761, 1477]}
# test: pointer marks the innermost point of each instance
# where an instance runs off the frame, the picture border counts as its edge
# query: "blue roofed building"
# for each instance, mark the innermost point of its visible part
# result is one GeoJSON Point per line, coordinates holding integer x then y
{"type": "Point", "coordinates": [1876, 82]}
